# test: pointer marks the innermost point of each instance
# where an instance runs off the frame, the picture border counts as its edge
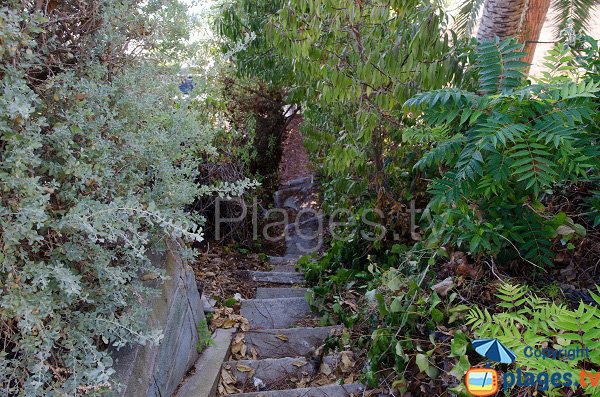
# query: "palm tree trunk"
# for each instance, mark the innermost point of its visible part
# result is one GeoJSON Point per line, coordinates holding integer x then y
{"type": "Point", "coordinates": [501, 18]}
{"type": "Point", "coordinates": [534, 21]}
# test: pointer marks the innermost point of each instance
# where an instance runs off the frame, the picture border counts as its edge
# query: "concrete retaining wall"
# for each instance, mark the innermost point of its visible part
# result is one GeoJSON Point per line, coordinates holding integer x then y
{"type": "Point", "coordinates": [157, 370]}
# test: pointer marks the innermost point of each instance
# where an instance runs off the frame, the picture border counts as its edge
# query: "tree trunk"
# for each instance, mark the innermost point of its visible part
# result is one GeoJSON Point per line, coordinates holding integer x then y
{"type": "Point", "coordinates": [534, 21]}
{"type": "Point", "coordinates": [501, 18]}
{"type": "Point", "coordinates": [523, 19]}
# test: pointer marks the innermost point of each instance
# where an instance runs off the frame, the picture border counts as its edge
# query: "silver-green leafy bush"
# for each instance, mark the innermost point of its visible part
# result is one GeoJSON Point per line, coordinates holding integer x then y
{"type": "Point", "coordinates": [98, 155]}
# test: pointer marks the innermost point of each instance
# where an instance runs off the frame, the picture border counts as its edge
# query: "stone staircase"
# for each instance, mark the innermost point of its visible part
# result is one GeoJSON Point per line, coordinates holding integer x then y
{"type": "Point", "coordinates": [288, 354]}
{"type": "Point", "coordinates": [286, 350]}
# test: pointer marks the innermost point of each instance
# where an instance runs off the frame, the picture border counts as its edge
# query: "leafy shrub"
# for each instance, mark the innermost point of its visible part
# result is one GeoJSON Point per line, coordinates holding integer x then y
{"type": "Point", "coordinates": [501, 150]}
{"type": "Point", "coordinates": [385, 301]}
{"type": "Point", "coordinates": [97, 161]}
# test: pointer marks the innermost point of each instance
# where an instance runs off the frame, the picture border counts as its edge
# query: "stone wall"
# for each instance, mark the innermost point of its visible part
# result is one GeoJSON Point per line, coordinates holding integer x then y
{"type": "Point", "coordinates": [157, 370]}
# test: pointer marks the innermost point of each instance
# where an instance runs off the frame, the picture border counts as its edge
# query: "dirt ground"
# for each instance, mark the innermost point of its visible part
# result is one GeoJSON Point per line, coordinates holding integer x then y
{"type": "Point", "coordinates": [294, 160]}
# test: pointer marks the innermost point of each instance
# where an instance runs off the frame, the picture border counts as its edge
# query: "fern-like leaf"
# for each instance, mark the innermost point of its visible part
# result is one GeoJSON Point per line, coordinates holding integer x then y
{"type": "Point", "coordinates": [533, 165]}
{"type": "Point", "coordinates": [443, 153]}
{"type": "Point", "coordinates": [466, 19]}
{"type": "Point", "coordinates": [575, 12]}
{"type": "Point", "coordinates": [500, 67]}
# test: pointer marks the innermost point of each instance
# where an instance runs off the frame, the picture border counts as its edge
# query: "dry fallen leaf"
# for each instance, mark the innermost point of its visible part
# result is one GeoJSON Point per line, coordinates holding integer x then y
{"type": "Point", "coordinates": [150, 276]}
{"type": "Point", "coordinates": [238, 347]}
{"type": "Point", "coordinates": [352, 305]}
{"type": "Point", "coordinates": [243, 368]}
{"type": "Point", "coordinates": [302, 382]}
{"type": "Point", "coordinates": [282, 337]}
{"type": "Point", "coordinates": [244, 325]}
{"type": "Point", "coordinates": [443, 287]}
{"type": "Point", "coordinates": [227, 383]}
{"type": "Point", "coordinates": [416, 236]}
{"type": "Point", "coordinates": [226, 376]}
{"type": "Point", "coordinates": [347, 360]}
{"type": "Point", "coordinates": [229, 323]}
{"type": "Point", "coordinates": [299, 364]}
{"type": "Point", "coordinates": [325, 369]}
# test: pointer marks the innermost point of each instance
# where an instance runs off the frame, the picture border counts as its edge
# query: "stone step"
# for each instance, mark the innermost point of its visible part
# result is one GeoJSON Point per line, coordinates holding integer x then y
{"type": "Point", "coordinates": [353, 390]}
{"type": "Point", "coordinates": [308, 225]}
{"type": "Point", "coordinates": [204, 377]}
{"type": "Point", "coordinates": [300, 191]}
{"type": "Point", "coordinates": [293, 203]}
{"type": "Point", "coordinates": [270, 293]}
{"type": "Point", "coordinates": [292, 342]}
{"type": "Point", "coordinates": [274, 313]}
{"type": "Point", "coordinates": [269, 373]}
{"type": "Point", "coordinates": [283, 260]}
{"type": "Point", "coordinates": [287, 268]}
{"type": "Point", "coordinates": [277, 277]}
{"type": "Point", "coordinates": [299, 181]}
{"type": "Point", "coordinates": [299, 245]}
{"type": "Point", "coordinates": [276, 373]}
{"type": "Point", "coordinates": [284, 264]}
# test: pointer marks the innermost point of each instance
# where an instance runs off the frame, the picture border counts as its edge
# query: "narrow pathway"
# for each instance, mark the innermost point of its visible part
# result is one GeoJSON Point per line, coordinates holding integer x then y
{"type": "Point", "coordinates": [287, 358]}
{"type": "Point", "coordinates": [287, 352]}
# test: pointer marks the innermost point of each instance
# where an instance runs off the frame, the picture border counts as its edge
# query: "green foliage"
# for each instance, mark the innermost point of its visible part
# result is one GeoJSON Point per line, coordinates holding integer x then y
{"type": "Point", "coordinates": [574, 14]}
{"type": "Point", "coordinates": [241, 25]}
{"type": "Point", "coordinates": [503, 152]}
{"type": "Point", "coordinates": [466, 19]}
{"type": "Point", "coordinates": [204, 336]}
{"type": "Point", "coordinates": [397, 315]}
{"type": "Point", "coordinates": [351, 65]}
{"type": "Point", "coordinates": [253, 90]}
{"type": "Point", "coordinates": [351, 83]}
{"type": "Point", "coordinates": [526, 319]}
{"type": "Point", "coordinates": [499, 66]}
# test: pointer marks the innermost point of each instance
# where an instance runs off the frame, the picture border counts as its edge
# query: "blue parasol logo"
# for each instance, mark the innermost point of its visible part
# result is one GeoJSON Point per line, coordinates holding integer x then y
{"type": "Point", "coordinates": [494, 350]}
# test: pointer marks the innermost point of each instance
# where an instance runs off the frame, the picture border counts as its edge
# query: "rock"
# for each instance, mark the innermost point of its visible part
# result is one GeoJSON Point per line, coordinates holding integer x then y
{"type": "Point", "coordinates": [292, 342]}
{"type": "Point", "coordinates": [292, 203]}
{"type": "Point", "coordinates": [274, 313]}
{"type": "Point", "coordinates": [274, 373]}
{"type": "Point", "coordinates": [278, 277]}
{"type": "Point", "coordinates": [208, 305]}
{"type": "Point", "coordinates": [352, 390]}
{"type": "Point", "coordinates": [269, 293]}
